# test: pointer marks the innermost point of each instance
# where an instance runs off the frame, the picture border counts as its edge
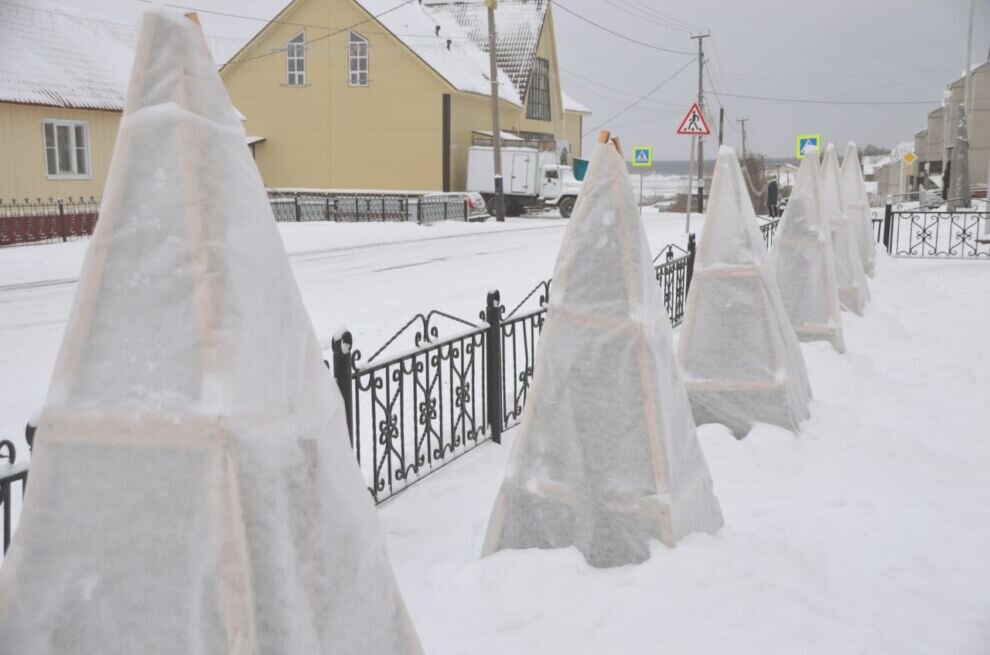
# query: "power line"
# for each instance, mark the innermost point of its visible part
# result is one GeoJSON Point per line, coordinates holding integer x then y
{"type": "Point", "coordinates": [810, 101]}
{"type": "Point", "coordinates": [619, 34]}
{"type": "Point", "coordinates": [672, 19]}
{"type": "Point", "coordinates": [610, 88]}
{"type": "Point", "coordinates": [642, 98]}
{"type": "Point", "coordinates": [642, 15]}
{"type": "Point", "coordinates": [306, 44]}
{"type": "Point", "coordinates": [273, 21]}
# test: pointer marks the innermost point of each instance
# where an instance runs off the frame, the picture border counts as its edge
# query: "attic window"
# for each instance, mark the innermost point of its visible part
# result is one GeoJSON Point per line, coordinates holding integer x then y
{"type": "Point", "coordinates": [296, 60]}
{"type": "Point", "coordinates": [67, 149]}
{"type": "Point", "coordinates": [538, 95]}
{"type": "Point", "coordinates": [358, 60]}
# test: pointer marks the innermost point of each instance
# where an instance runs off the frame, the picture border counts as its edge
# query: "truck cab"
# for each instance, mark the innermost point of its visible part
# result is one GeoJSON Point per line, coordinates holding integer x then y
{"type": "Point", "coordinates": [532, 178]}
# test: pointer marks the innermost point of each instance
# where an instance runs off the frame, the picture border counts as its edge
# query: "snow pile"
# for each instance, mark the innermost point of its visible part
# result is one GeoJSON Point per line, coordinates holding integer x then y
{"type": "Point", "coordinates": [739, 354]}
{"type": "Point", "coordinates": [192, 488]}
{"type": "Point", "coordinates": [849, 274]}
{"type": "Point", "coordinates": [804, 262]}
{"type": "Point", "coordinates": [857, 208]}
{"type": "Point", "coordinates": [607, 457]}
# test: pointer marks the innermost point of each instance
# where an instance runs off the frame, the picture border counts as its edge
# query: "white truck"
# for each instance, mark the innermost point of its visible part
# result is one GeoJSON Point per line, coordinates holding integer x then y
{"type": "Point", "coordinates": [530, 178]}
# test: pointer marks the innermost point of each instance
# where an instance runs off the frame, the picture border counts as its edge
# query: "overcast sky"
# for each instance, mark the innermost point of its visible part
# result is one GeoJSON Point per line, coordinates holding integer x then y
{"type": "Point", "coordinates": [849, 50]}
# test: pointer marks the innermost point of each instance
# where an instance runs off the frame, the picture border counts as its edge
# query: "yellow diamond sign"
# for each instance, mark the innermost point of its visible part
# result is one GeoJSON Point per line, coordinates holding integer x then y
{"type": "Point", "coordinates": [910, 157]}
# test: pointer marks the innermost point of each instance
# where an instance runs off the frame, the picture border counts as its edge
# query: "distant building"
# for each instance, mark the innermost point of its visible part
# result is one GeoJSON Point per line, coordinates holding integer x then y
{"type": "Point", "coordinates": [978, 121]}
{"type": "Point", "coordinates": [62, 87]}
{"type": "Point", "coordinates": [395, 101]}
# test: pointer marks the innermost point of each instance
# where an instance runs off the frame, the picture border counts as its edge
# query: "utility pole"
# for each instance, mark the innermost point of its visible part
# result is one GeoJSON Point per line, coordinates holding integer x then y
{"type": "Point", "coordinates": [701, 105]}
{"type": "Point", "coordinates": [967, 97]}
{"type": "Point", "coordinates": [496, 128]}
{"type": "Point", "coordinates": [742, 124]}
{"type": "Point", "coordinates": [721, 125]}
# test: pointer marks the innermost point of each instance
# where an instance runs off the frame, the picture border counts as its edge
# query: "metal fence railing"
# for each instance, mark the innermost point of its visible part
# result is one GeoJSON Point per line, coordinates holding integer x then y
{"type": "Point", "coordinates": [13, 474]}
{"type": "Point", "coordinates": [936, 234]}
{"type": "Point", "coordinates": [413, 412]}
{"type": "Point", "coordinates": [51, 220]}
{"type": "Point", "coordinates": [46, 220]}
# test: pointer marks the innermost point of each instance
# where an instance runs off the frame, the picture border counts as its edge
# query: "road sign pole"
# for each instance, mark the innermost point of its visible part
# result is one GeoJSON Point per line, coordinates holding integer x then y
{"type": "Point", "coordinates": [640, 194]}
{"type": "Point", "coordinates": [687, 222]}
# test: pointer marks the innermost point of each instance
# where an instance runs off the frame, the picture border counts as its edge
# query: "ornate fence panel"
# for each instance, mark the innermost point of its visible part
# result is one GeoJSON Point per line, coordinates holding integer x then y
{"type": "Point", "coordinates": [769, 231]}
{"type": "Point", "coordinates": [413, 412]}
{"type": "Point", "coordinates": [13, 476]}
{"type": "Point", "coordinates": [50, 220]}
{"type": "Point", "coordinates": [960, 234]}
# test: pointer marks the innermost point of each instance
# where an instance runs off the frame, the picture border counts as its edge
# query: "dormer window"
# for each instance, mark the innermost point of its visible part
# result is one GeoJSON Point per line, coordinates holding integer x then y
{"type": "Point", "coordinates": [296, 60]}
{"type": "Point", "coordinates": [358, 60]}
{"type": "Point", "coordinates": [538, 95]}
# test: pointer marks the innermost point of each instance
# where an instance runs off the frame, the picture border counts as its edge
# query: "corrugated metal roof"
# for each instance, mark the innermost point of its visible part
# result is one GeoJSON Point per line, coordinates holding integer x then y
{"type": "Point", "coordinates": [518, 27]}
{"type": "Point", "coordinates": [50, 58]}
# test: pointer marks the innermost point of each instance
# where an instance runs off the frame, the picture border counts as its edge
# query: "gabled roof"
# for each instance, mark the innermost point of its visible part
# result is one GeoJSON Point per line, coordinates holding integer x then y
{"type": "Point", "coordinates": [519, 24]}
{"type": "Point", "coordinates": [55, 59]}
{"type": "Point", "coordinates": [462, 63]}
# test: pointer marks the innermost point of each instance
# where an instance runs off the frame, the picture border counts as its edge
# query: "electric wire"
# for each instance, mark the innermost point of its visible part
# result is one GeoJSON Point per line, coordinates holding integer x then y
{"type": "Point", "coordinates": [558, 5]}
{"type": "Point", "coordinates": [642, 98]}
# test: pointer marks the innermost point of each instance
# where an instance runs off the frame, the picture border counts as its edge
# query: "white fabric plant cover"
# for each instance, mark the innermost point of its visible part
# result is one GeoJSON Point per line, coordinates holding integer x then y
{"type": "Point", "coordinates": [192, 488]}
{"type": "Point", "coordinates": [607, 457]}
{"type": "Point", "coordinates": [857, 207]}
{"type": "Point", "coordinates": [849, 274]}
{"type": "Point", "coordinates": [804, 263]}
{"type": "Point", "coordinates": [738, 352]}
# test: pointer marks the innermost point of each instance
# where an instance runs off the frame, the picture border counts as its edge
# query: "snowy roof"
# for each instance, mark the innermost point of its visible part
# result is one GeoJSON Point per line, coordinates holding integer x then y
{"type": "Point", "coordinates": [55, 59]}
{"type": "Point", "coordinates": [570, 104]}
{"type": "Point", "coordinates": [519, 25]}
{"type": "Point", "coordinates": [462, 64]}
{"type": "Point", "coordinates": [49, 56]}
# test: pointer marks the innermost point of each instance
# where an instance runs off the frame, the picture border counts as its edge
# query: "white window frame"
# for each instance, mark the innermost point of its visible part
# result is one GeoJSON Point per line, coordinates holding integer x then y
{"type": "Point", "coordinates": [87, 149]}
{"type": "Point", "coordinates": [295, 53]}
{"type": "Point", "coordinates": [363, 54]}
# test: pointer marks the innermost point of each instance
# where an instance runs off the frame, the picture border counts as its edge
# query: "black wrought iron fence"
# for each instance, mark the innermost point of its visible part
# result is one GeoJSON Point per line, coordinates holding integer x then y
{"type": "Point", "coordinates": [49, 220]}
{"type": "Point", "coordinates": [413, 412]}
{"type": "Point", "coordinates": [769, 230]}
{"type": "Point", "coordinates": [917, 232]}
{"type": "Point", "coordinates": [12, 472]}
{"type": "Point", "coordinates": [63, 219]}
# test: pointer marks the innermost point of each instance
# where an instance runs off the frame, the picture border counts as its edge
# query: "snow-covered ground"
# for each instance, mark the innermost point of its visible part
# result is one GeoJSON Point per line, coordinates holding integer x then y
{"type": "Point", "coordinates": [866, 534]}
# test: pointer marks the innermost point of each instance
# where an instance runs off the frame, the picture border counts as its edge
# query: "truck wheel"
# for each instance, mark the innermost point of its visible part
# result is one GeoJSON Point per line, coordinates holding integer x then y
{"type": "Point", "coordinates": [566, 206]}
{"type": "Point", "coordinates": [513, 209]}
{"type": "Point", "coordinates": [490, 205]}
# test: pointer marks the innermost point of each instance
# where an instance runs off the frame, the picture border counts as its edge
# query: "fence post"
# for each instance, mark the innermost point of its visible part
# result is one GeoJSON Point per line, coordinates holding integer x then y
{"type": "Point", "coordinates": [328, 206]}
{"type": "Point", "coordinates": [343, 373]}
{"type": "Point", "coordinates": [383, 209]}
{"type": "Point", "coordinates": [692, 249]}
{"type": "Point", "coordinates": [61, 219]}
{"type": "Point", "coordinates": [493, 364]}
{"type": "Point", "coordinates": [419, 210]}
{"type": "Point", "coordinates": [295, 199]}
{"type": "Point", "coordinates": [888, 221]}
{"type": "Point", "coordinates": [467, 210]}
{"type": "Point", "coordinates": [445, 203]}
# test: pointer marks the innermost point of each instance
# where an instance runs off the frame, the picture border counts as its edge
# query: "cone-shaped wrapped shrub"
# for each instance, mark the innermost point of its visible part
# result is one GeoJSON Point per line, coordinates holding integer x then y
{"type": "Point", "coordinates": [853, 290]}
{"type": "Point", "coordinates": [607, 457]}
{"type": "Point", "coordinates": [192, 488]}
{"type": "Point", "coordinates": [804, 263]}
{"type": "Point", "coordinates": [738, 352]}
{"type": "Point", "coordinates": [857, 207]}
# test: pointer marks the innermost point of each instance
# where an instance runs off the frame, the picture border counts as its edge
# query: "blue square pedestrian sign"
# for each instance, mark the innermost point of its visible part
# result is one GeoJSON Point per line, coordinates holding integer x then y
{"type": "Point", "coordinates": [642, 156]}
{"type": "Point", "coordinates": [806, 140]}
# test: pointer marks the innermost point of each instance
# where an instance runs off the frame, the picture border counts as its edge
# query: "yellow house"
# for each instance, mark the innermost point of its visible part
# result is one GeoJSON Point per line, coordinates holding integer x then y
{"type": "Point", "coordinates": [371, 94]}
{"type": "Point", "coordinates": [62, 87]}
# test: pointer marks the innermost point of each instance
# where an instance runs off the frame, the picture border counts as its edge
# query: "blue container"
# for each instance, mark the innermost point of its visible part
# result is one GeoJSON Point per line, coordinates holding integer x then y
{"type": "Point", "coordinates": [580, 168]}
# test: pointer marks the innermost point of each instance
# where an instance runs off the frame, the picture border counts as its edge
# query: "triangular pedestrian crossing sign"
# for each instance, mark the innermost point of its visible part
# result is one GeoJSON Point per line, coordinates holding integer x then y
{"type": "Point", "coordinates": [642, 156]}
{"type": "Point", "coordinates": [694, 123]}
